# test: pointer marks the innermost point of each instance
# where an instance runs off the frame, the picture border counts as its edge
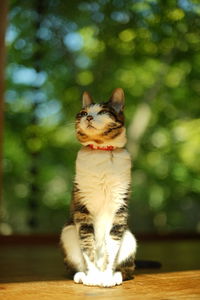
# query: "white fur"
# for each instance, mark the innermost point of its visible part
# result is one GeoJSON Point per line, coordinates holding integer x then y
{"type": "Point", "coordinates": [70, 240]}
{"type": "Point", "coordinates": [94, 276]}
{"type": "Point", "coordinates": [99, 278]}
{"type": "Point", "coordinates": [102, 177]}
{"type": "Point", "coordinates": [102, 187]}
{"type": "Point", "coordinates": [128, 247]}
{"type": "Point", "coordinates": [99, 121]}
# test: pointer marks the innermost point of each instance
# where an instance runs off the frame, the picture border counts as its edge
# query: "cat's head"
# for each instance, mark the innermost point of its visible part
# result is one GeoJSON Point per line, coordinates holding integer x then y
{"type": "Point", "coordinates": [102, 124]}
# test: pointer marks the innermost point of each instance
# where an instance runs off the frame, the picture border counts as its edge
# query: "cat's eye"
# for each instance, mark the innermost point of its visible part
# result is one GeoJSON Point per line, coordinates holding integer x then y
{"type": "Point", "coordinates": [103, 111]}
{"type": "Point", "coordinates": [82, 114]}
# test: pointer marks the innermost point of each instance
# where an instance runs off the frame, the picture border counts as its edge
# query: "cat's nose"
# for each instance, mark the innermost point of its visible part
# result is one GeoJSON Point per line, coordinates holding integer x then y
{"type": "Point", "coordinates": [89, 118]}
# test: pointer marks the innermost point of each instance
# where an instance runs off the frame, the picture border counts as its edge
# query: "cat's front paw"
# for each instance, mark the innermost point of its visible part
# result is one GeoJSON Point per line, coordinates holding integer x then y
{"type": "Point", "coordinates": [118, 278]}
{"type": "Point", "coordinates": [104, 279]}
{"type": "Point", "coordinates": [79, 277]}
{"type": "Point", "coordinates": [109, 279]}
{"type": "Point", "coordinates": [92, 278]}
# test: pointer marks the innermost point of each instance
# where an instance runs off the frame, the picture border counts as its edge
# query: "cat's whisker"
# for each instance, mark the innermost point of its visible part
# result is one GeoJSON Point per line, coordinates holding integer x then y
{"type": "Point", "coordinates": [70, 124]}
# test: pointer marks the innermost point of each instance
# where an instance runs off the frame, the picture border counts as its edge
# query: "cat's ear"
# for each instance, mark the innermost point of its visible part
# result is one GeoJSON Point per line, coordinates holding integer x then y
{"type": "Point", "coordinates": [86, 99]}
{"type": "Point", "coordinates": [117, 100]}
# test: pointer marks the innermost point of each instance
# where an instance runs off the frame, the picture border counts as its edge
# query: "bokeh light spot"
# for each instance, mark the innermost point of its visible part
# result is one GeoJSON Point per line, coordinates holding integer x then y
{"type": "Point", "coordinates": [85, 78]}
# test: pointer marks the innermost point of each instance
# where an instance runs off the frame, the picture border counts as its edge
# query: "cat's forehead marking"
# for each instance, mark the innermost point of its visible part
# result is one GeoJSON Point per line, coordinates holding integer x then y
{"type": "Point", "coordinates": [94, 109]}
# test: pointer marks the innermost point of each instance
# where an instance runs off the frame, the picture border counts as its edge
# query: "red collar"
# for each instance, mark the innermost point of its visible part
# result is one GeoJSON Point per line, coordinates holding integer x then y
{"type": "Point", "coordinates": [107, 148]}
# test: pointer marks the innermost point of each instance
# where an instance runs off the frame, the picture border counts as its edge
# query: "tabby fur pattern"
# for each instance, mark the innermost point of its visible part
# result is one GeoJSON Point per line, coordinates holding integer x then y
{"type": "Point", "coordinates": [98, 247]}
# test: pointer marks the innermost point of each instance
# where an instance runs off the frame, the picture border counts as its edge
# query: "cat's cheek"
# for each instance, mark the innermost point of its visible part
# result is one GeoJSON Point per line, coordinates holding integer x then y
{"type": "Point", "coordinates": [101, 123]}
{"type": "Point", "coordinates": [82, 124]}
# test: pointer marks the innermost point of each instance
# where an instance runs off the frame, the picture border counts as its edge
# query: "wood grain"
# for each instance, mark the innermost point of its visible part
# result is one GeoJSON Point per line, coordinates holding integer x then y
{"type": "Point", "coordinates": [177, 285]}
{"type": "Point", "coordinates": [37, 272]}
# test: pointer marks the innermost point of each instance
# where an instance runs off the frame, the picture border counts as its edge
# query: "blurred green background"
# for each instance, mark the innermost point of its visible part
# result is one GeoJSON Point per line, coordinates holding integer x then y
{"type": "Point", "coordinates": [56, 50]}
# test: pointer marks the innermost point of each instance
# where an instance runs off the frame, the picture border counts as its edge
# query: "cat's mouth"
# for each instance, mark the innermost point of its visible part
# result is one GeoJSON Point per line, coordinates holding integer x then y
{"type": "Point", "coordinates": [90, 126]}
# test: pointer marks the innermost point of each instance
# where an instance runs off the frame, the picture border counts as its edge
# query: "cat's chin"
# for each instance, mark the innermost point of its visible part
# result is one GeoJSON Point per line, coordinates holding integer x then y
{"type": "Point", "coordinates": [95, 134]}
{"type": "Point", "coordinates": [90, 127]}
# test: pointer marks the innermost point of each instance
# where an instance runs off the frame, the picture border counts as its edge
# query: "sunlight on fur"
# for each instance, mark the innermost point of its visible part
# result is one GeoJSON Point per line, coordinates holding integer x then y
{"type": "Point", "coordinates": [98, 247]}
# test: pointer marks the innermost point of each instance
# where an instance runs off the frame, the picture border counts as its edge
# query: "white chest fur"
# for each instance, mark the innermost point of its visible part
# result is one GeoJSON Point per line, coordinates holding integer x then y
{"type": "Point", "coordinates": [103, 177]}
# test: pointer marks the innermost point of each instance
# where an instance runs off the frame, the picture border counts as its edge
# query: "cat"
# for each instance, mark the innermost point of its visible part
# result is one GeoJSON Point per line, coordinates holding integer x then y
{"type": "Point", "coordinates": [98, 246]}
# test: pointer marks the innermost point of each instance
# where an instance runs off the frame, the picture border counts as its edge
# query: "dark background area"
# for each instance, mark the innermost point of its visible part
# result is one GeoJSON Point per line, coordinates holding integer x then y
{"type": "Point", "coordinates": [56, 50]}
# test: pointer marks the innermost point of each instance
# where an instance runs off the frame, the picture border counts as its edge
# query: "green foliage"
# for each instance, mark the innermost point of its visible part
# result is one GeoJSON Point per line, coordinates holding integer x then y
{"type": "Point", "coordinates": [55, 51]}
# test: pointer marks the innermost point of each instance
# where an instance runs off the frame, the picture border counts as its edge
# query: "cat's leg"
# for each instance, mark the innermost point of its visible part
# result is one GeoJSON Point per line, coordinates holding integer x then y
{"type": "Point", "coordinates": [119, 246]}
{"type": "Point", "coordinates": [85, 229]}
{"type": "Point", "coordinates": [73, 257]}
{"type": "Point", "coordinates": [109, 277]}
{"type": "Point", "coordinates": [108, 246]}
{"type": "Point", "coordinates": [83, 221]}
{"type": "Point", "coordinates": [126, 256]}
{"type": "Point", "coordinates": [78, 248]}
{"type": "Point", "coordinates": [121, 254]}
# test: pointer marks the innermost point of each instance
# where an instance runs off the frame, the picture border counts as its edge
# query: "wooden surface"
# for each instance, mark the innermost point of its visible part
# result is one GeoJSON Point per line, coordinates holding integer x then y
{"type": "Point", "coordinates": [37, 272]}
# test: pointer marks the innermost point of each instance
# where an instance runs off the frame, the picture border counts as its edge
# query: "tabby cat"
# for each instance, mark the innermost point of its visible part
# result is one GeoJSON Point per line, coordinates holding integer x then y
{"type": "Point", "coordinates": [97, 244]}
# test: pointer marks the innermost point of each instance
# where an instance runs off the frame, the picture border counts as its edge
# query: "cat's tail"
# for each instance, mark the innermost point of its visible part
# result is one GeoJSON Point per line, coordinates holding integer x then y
{"type": "Point", "coordinates": [147, 264]}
